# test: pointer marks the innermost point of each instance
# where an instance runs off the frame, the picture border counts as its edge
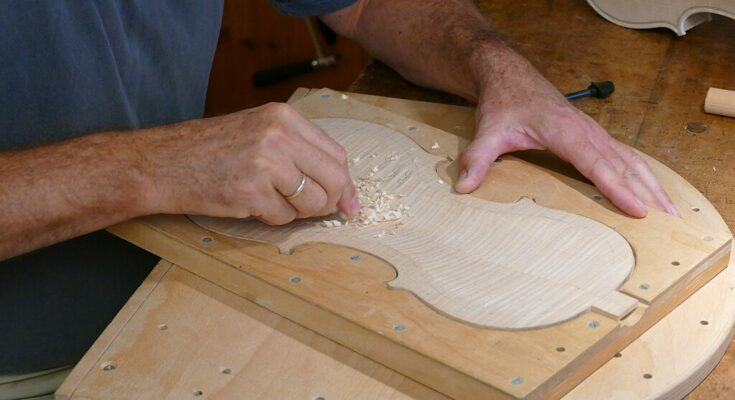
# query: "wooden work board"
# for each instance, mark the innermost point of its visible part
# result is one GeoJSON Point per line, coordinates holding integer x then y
{"type": "Point", "coordinates": [346, 299]}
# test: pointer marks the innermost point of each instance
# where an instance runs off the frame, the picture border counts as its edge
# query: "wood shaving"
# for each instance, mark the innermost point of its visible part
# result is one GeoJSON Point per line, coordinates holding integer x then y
{"type": "Point", "coordinates": [376, 205]}
{"type": "Point", "coordinates": [332, 223]}
{"type": "Point", "coordinates": [435, 146]}
{"type": "Point", "coordinates": [345, 97]}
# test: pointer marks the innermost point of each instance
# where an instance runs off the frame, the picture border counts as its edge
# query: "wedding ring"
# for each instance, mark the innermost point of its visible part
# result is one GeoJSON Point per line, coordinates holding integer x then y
{"type": "Point", "coordinates": [298, 189]}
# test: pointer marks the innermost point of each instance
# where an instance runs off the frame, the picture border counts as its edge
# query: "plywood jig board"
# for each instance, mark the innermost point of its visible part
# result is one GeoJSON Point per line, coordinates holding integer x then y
{"type": "Point", "coordinates": [519, 291]}
{"type": "Point", "coordinates": [677, 15]}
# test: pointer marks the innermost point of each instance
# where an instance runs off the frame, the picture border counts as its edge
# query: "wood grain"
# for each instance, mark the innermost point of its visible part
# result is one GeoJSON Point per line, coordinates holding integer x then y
{"type": "Point", "coordinates": [720, 101]}
{"type": "Point", "coordinates": [514, 265]}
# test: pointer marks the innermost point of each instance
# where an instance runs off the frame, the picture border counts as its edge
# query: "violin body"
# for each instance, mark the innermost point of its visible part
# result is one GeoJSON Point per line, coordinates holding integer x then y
{"type": "Point", "coordinates": [677, 15]}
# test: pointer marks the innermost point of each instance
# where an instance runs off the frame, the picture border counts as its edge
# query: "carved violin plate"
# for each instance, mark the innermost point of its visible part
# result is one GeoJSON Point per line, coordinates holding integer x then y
{"type": "Point", "coordinates": [677, 15]}
{"type": "Point", "coordinates": [510, 266]}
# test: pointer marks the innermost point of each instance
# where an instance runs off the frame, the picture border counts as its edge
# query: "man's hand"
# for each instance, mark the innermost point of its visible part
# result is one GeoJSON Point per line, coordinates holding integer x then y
{"type": "Point", "coordinates": [247, 163]}
{"type": "Point", "coordinates": [449, 45]}
{"type": "Point", "coordinates": [237, 165]}
{"type": "Point", "coordinates": [518, 110]}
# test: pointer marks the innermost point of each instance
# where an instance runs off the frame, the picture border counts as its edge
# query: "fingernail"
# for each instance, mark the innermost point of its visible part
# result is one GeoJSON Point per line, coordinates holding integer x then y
{"type": "Point", "coordinates": [463, 175]}
{"type": "Point", "coordinates": [354, 205]}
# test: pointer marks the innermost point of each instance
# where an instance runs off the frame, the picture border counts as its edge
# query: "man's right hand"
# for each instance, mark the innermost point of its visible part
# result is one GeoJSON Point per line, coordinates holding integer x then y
{"type": "Point", "coordinates": [246, 164]}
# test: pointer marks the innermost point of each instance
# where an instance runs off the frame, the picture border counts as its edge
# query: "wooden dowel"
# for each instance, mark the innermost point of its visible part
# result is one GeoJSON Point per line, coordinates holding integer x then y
{"type": "Point", "coordinates": [720, 101]}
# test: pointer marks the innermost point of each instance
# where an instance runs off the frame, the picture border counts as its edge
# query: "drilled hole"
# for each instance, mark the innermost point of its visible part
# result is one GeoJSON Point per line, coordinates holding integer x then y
{"type": "Point", "coordinates": [225, 371]}
{"type": "Point", "coordinates": [675, 263]}
{"type": "Point", "coordinates": [108, 366]}
{"type": "Point", "coordinates": [695, 209]}
{"type": "Point", "coordinates": [561, 349]}
{"type": "Point", "coordinates": [162, 327]}
{"type": "Point", "coordinates": [197, 393]}
{"type": "Point", "coordinates": [695, 127]}
{"type": "Point", "coordinates": [704, 322]}
{"type": "Point", "coordinates": [596, 197]}
{"type": "Point", "coordinates": [618, 355]}
{"type": "Point", "coordinates": [647, 376]}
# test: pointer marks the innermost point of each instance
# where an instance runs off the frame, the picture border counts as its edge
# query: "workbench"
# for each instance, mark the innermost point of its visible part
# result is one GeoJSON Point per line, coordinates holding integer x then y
{"type": "Point", "coordinates": [661, 82]}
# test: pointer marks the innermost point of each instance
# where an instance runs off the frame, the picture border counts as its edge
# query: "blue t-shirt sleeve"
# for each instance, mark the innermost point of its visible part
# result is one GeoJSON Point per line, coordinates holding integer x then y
{"type": "Point", "coordinates": [303, 8]}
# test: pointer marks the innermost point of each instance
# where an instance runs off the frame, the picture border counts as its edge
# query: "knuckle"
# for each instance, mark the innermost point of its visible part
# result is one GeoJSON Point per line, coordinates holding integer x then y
{"type": "Point", "coordinates": [341, 155]}
{"type": "Point", "coordinates": [274, 137]}
{"type": "Point", "coordinates": [281, 110]}
{"type": "Point", "coordinates": [261, 165]}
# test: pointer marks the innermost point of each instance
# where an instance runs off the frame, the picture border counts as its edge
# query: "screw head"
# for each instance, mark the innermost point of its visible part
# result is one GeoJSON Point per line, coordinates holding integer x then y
{"type": "Point", "coordinates": [593, 324]}
{"type": "Point", "coordinates": [644, 286]}
{"type": "Point", "coordinates": [295, 279]}
{"type": "Point", "coordinates": [517, 381]}
{"type": "Point", "coordinates": [399, 328]}
{"type": "Point", "coordinates": [355, 257]}
{"type": "Point", "coordinates": [207, 239]}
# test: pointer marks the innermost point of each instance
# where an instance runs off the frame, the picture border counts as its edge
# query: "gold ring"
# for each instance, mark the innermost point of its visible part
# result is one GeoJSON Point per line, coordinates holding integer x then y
{"type": "Point", "coordinates": [298, 189]}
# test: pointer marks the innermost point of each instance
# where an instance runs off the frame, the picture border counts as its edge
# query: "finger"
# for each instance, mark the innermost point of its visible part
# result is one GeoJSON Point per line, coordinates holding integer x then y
{"type": "Point", "coordinates": [274, 209]}
{"type": "Point", "coordinates": [310, 201]}
{"type": "Point", "coordinates": [476, 159]}
{"type": "Point", "coordinates": [607, 179]}
{"type": "Point", "coordinates": [348, 202]}
{"type": "Point", "coordinates": [661, 199]}
{"type": "Point", "coordinates": [330, 174]}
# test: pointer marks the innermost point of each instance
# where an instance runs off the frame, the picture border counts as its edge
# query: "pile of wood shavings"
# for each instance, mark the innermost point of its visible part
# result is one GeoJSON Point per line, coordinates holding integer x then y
{"type": "Point", "coordinates": [376, 205]}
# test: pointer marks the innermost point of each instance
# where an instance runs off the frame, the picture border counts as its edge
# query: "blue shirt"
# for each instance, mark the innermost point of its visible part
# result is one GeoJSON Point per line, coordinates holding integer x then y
{"type": "Point", "coordinates": [71, 67]}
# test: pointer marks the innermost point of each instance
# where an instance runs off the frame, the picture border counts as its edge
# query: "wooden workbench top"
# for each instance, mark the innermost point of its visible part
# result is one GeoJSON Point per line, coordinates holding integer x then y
{"type": "Point", "coordinates": [661, 82]}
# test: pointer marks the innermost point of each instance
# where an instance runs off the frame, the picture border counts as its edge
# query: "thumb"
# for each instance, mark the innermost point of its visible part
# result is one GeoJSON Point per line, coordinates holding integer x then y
{"type": "Point", "coordinates": [476, 159]}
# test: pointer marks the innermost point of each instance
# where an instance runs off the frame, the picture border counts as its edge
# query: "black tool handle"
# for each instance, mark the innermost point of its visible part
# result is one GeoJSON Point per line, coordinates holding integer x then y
{"type": "Point", "coordinates": [276, 74]}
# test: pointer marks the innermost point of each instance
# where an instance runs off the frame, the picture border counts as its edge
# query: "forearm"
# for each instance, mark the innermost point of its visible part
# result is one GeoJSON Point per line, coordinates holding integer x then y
{"type": "Point", "coordinates": [442, 44]}
{"type": "Point", "coordinates": [56, 192]}
{"type": "Point", "coordinates": [237, 165]}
